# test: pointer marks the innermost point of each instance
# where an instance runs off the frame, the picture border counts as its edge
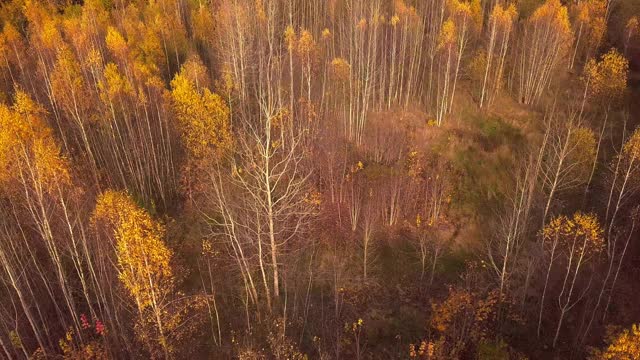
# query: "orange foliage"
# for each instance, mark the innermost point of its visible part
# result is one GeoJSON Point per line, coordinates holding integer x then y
{"type": "Point", "coordinates": [28, 150]}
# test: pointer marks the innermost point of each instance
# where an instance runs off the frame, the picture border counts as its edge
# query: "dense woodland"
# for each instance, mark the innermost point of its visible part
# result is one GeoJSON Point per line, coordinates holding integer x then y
{"type": "Point", "coordinates": [306, 179]}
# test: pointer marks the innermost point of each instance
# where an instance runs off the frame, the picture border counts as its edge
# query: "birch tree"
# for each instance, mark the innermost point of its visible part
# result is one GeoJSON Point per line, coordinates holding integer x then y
{"type": "Point", "coordinates": [578, 240]}
{"type": "Point", "coordinates": [542, 47]}
{"type": "Point", "coordinates": [501, 24]}
{"type": "Point", "coordinates": [144, 269]}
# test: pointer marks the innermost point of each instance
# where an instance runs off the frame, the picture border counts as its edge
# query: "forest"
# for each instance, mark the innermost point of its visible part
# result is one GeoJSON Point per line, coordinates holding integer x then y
{"type": "Point", "coordinates": [320, 179]}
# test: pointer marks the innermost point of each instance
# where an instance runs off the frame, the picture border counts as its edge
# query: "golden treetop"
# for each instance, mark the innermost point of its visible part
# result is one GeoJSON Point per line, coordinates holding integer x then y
{"type": "Point", "coordinates": [590, 20]}
{"type": "Point", "coordinates": [589, 10]}
{"type": "Point", "coordinates": [583, 143]}
{"type": "Point", "coordinates": [465, 306]}
{"type": "Point", "coordinates": [340, 69]}
{"type": "Point", "coordinates": [114, 84]}
{"type": "Point", "coordinates": [306, 44]}
{"type": "Point", "coordinates": [197, 73]}
{"type": "Point", "coordinates": [553, 13]}
{"type": "Point", "coordinates": [477, 14]}
{"type": "Point", "coordinates": [403, 11]}
{"type": "Point", "coordinates": [260, 10]}
{"type": "Point", "coordinates": [10, 34]}
{"type": "Point", "coordinates": [116, 43]}
{"type": "Point", "coordinates": [43, 26]}
{"type": "Point", "coordinates": [203, 117]}
{"type": "Point", "coordinates": [143, 258]}
{"type": "Point", "coordinates": [401, 7]}
{"type": "Point", "coordinates": [632, 148]}
{"type": "Point", "coordinates": [361, 24]}
{"type": "Point", "coordinates": [580, 233]}
{"type": "Point", "coordinates": [27, 145]}
{"type": "Point", "coordinates": [290, 37]}
{"type": "Point", "coordinates": [608, 77]}
{"type": "Point", "coordinates": [504, 17]}
{"type": "Point", "coordinates": [461, 9]}
{"type": "Point", "coordinates": [67, 78]}
{"type": "Point", "coordinates": [447, 34]}
{"type": "Point", "coordinates": [395, 19]}
{"type": "Point", "coordinates": [622, 346]}
{"type": "Point", "coordinates": [326, 34]}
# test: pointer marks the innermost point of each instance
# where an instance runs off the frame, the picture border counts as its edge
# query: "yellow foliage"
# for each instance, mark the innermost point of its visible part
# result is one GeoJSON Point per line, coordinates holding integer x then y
{"type": "Point", "coordinates": [504, 17]}
{"type": "Point", "coordinates": [447, 34]}
{"type": "Point", "coordinates": [94, 59]}
{"type": "Point", "coordinates": [67, 79]}
{"type": "Point", "coordinates": [10, 34]}
{"type": "Point", "coordinates": [400, 7]}
{"type": "Point", "coordinates": [306, 44]}
{"type": "Point", "coordinates": [632, 147]}
{"type": "Point", "coordinates": [340, 69]}
{"type": "Point", "coordinates": [459, 8]}
{"type": "Point", "coordinates": [196, 72]}
{"type": "Point", "coordinates": [404, 11]}
{"type": "Point", "coordinates": [590, 24]}
{"type": "Point", "coordinates": [262, 14]}
{"type": "Point", "coordinates": [203, 117]}
{"type": "Point", "coordinates": [576, 232]}
{"type": "Point", "coordinates": [50, 36]}
{"type": "Point", "coordinates": [290, 38]}
{"type": "Point", "coordinates": [114, 84]}
{"type": "Point", "coordinates": [477, 13]}
{"type": "Point", "coordinates": [116, 42]}
{"type": "Point", "coordinates": [394, 20]}
{"type": "Point", "coordinates": [143, 258]}
{"type": "Point", "coordinates": [553, 10]}
{"type": "Point", "coordinates": [149, 49]}
{"type": "Point", "coordinates": [583, 140]}
{"type": "Point", "coordinates": [43, 27]}
{"type": "Point", "coordinates": [28, 147]}
{"type": "Point", "coordinates": [554, 16]}
{"type": "Point", "coordinates": [623, 346]}
{"type": "Point", "coordinates": [608, 77]}
{"type": "Point", "coordinates": [203, 22]}
{"type": "Point", "coordinates": [326, 34]}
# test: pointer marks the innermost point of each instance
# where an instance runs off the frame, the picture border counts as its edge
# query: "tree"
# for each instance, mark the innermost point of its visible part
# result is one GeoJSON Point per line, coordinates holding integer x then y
{"type": "Point", "coordinates": [590, 29]}
{"type": "Point", "coordinates": [624, 345]}
{"type": "Point", "coordinates": [623, 185]}
{"type": "Point", "coordinates": [431, 181]}
{"type": "Point", "coordinates": [277, 203]}
{"type": "Point", "coordinates": [567, 152]}
{"type": "Point", "coordinates": [462, 321]}
{"type": "Point", "coordinates": [203, 117]}
{"type": "Point", "coordinates": [306, 51]}
{"type": "Point", "coordinates": [631, 32]}
{"type": "Point", "coordinates": [504, 250]}
{"type": "Point", "coordinates": [462, 15]}
{"type": "Point", "coordinates": [606, 79]}
{"type": "Point", "coordinates": [144, 269]}
{"type": "Point", "coordinates": [501, 23]}
{"type": "Point", "coordinates": [33, 172]}
{"type": "Point", "coordinates": [543, 45]}
{"type": "Point", "coordinates": [605, 84]}
{"type": "Point", "coordinates": [445, 49]}
{"type": "Point", "coordinates": [67, 85]}
{"type": "Point", "coordinates": [578, 240]}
